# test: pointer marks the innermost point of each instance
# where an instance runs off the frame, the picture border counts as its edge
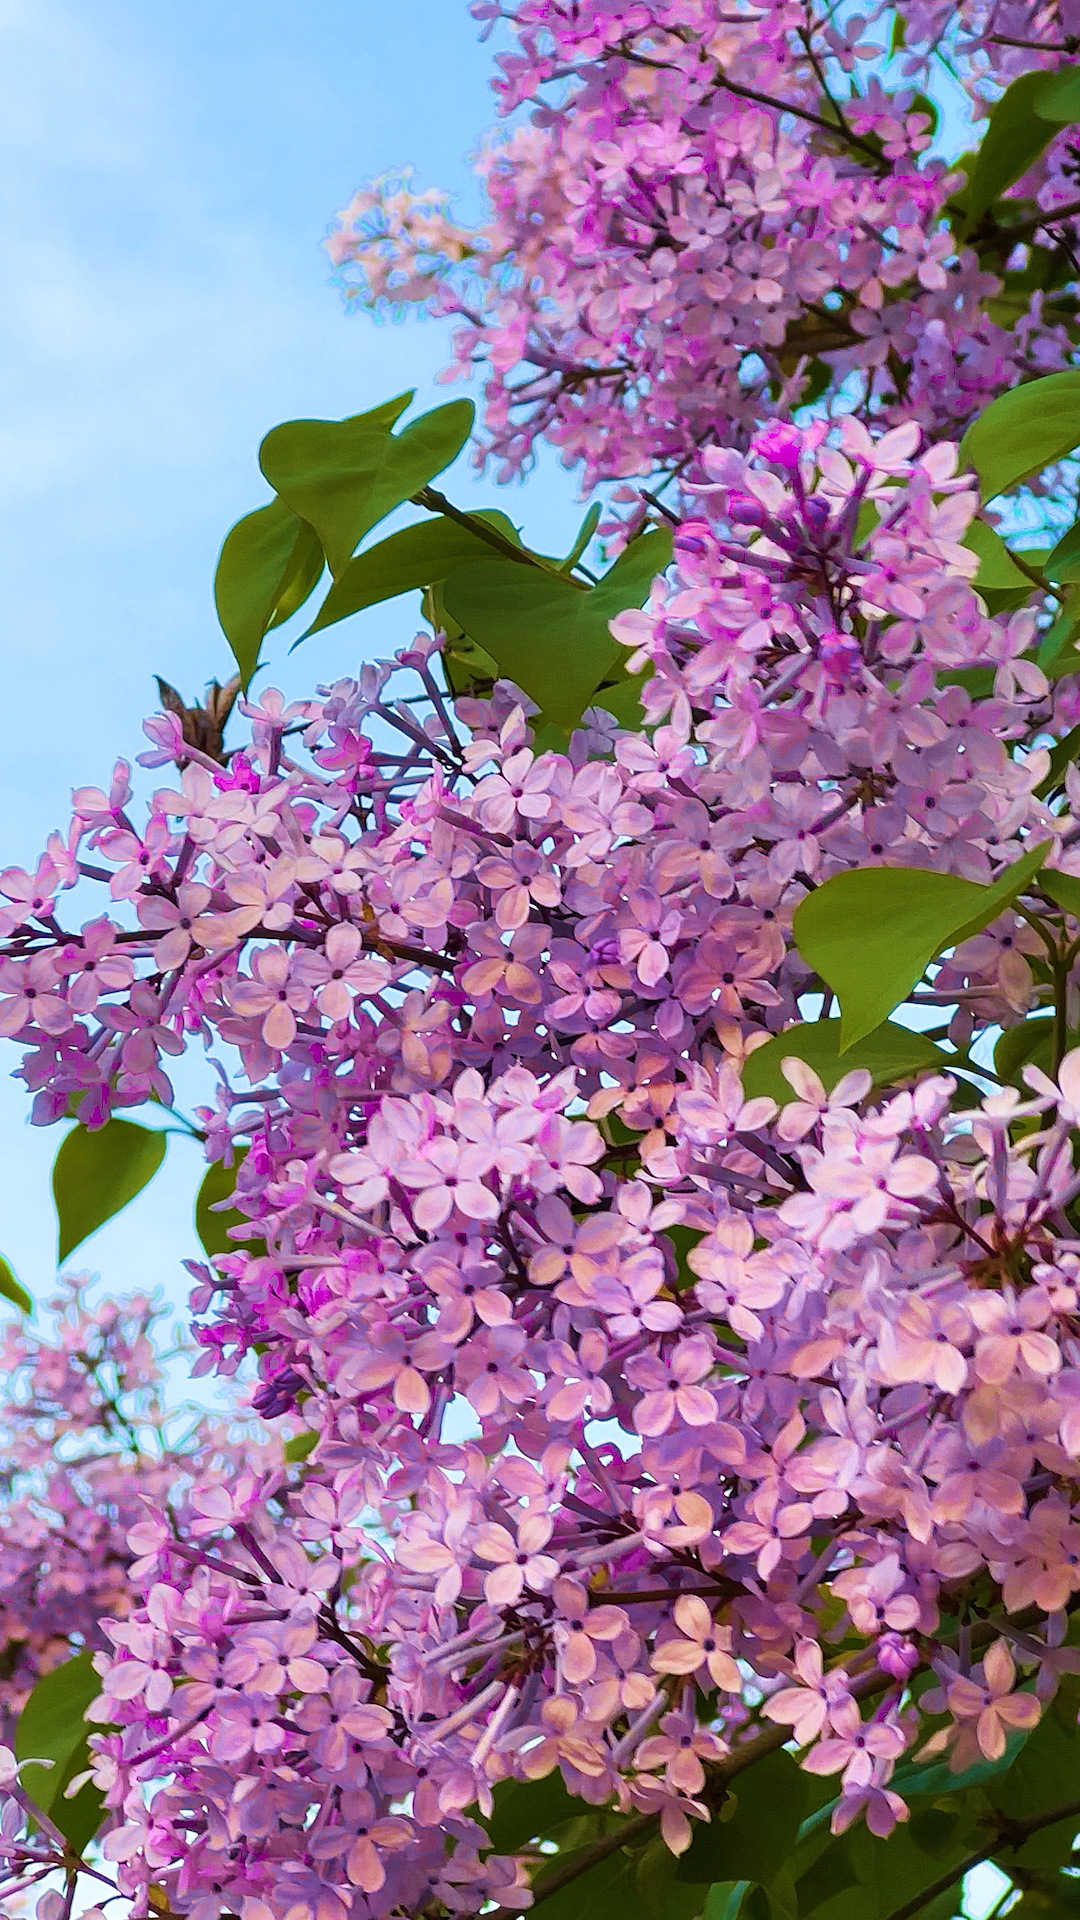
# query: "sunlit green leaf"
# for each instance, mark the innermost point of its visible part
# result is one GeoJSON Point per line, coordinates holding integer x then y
{"type": "Point", "coordinates": [1014, 138]}
{"type": "Point", "coordinates": [997, 569]}
{"type": "Point", "coordinates": [269, 564]}
{"type": "Point", "coordinates": [1059, 640]}
{"type": "Point", "coordinates": [551, 638]}
{"type": "Point", "coordinates": [890, 1053]}
{"type": "Point", "coordinates": [416, 557]}
{"type": "Point", "coordinates": [344, 476]}
{"type": "Point", "coordinates": [870, 933]}
{"type": "Point", "coordinates": [584, 535]}
{"type": "Point", "coordinates": [95, 1174]}
{"type": "Point", "coordinates": [1023, 431]}
{"type": "Point", "coordinates": [725, 1898]}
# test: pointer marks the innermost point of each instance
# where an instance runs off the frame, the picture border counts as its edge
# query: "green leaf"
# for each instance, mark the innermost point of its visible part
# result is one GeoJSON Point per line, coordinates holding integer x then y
{"type": "Point", "coordinates": [725, 1898]}
{"type": "Point", "coordinates": [1060, 637]}
{"type": "Point", "coordinates": [418, 556]}
{"type": "Point", "coordinates": [1023, 430]}
{"type": "Point", "coordinates": [270, 562]}
{"type": "Point", "coordinates": [1001, 893]}
{"type": "Point", "coordinates": [344, 476]}
{"type": "Point", "coordinates": [771, 1799]}
{"type": "Point", "coordinates": [890, 1053]}
{"type": "Point", "coordinates": [530, 1809]}
{"type": "Point", "coordinates": [921, 1779]}
{"type": "Point", "coordinates": [871, 932]}
{"type": "Point", "coordinates": [783, 1901]}
{"type": "Point", "coordinates": [1063, 888]}
{"type": "Point", "coordinates": [606, 1892]}
{"type": "Point", "coordinates": [623, 701]}
{"type": "Point", "coordinates": [1060, 100]}
{"type": "Point", "coordinates": [219, 1183]}
{"type": "Point", "coordinates": [10, 1288]}
{"type": "Point", "coordinates": [299, 1446]}
{"type": "Point", "coordinates": [95, 1174]}
{"type": "Point", "coordinates": [978, 681]}
{"type": "Point", "coordinates": [551, 638]}
{"type": "Point", "coordinates": [997, 569]}
{"type": "Point", "coordinates": [1013, 141]}
{"type": "Point", "coordinates": [1063, 561]}
{"type": "Point", "coordinates": [584, 535]}
{"type": "Point", "coordinates": [1029, 1043]}
{"type": "Point", "coordinates": [1044, 1764]}
{"type": "Point", "coordinates": [831, 1873]}
{"type": "Point", "coordinates": [683, 1241]}
{"type": "Point", "coordinates": [664, 1896]}
{"type": "Point", "coordinates": [889, 1873]}
{"type": "Point", "coordinates": [52, 1727]}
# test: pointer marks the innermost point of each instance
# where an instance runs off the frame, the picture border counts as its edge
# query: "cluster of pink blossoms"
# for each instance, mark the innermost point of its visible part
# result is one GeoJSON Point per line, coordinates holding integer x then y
{"type": "Point", "coordinates": [695, 228]}
{"type": "Point", "coordinates": [88, 1442]}
{"type": "Point", "coordinates": [652, 1424]}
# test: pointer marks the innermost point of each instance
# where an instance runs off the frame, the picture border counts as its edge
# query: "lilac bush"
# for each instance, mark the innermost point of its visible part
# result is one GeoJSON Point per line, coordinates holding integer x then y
{"type": "Point", "coordinates": [664, 1363]}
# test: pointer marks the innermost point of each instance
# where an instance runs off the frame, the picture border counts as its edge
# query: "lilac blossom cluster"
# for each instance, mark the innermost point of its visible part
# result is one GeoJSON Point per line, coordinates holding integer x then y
{"type": "Point", "coordinates": [706, 212]}
{"type": "Point", "coordinates": [89, 1442]}
{"type": "Point", "coordinates": [652, 1425]}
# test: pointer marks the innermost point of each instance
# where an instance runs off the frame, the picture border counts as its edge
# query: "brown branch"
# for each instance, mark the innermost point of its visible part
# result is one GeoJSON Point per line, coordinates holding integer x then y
{"type": "Point", "coordinates": [771, 1740]}
{"type": "Point", "coordinates": [1013, 1835]}
{"type": "Point", "coordinates": [564, 1876]}
{"type": "Point", "coordinates": [841, 132]}
{"type": "Point", "coordinates": [1013, 232]}
{"type": "Point", "coordinates": [1071, 45]}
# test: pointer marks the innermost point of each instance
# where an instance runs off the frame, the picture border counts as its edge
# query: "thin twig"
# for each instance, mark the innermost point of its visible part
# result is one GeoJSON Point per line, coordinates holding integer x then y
{"type": "Point", "coordinates": [1013, 1835]}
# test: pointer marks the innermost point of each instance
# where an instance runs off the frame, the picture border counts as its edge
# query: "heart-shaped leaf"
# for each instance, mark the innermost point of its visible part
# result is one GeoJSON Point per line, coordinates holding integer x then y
{"type": "Point", "coordinates": [270, 562]}
{"type": "Point", "coordinates": [344, 476]}
{"type": "Point", "coordinates": [1023, 430]}
{"type": "Point", "coordinates": [418, 556]}
{"type": "Point", "coordinates": [96, 1173]}
{"type": "Point", "coordinates": [890, 1053]}
{"type": "Point", "coordinates": [551, 638]}
{"type": "Point", "coordinates": [871, 932]}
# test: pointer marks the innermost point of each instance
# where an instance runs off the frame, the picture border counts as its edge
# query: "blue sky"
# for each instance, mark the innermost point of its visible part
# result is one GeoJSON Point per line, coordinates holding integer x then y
{"type": "Point", "coordinates": [168, 171]}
